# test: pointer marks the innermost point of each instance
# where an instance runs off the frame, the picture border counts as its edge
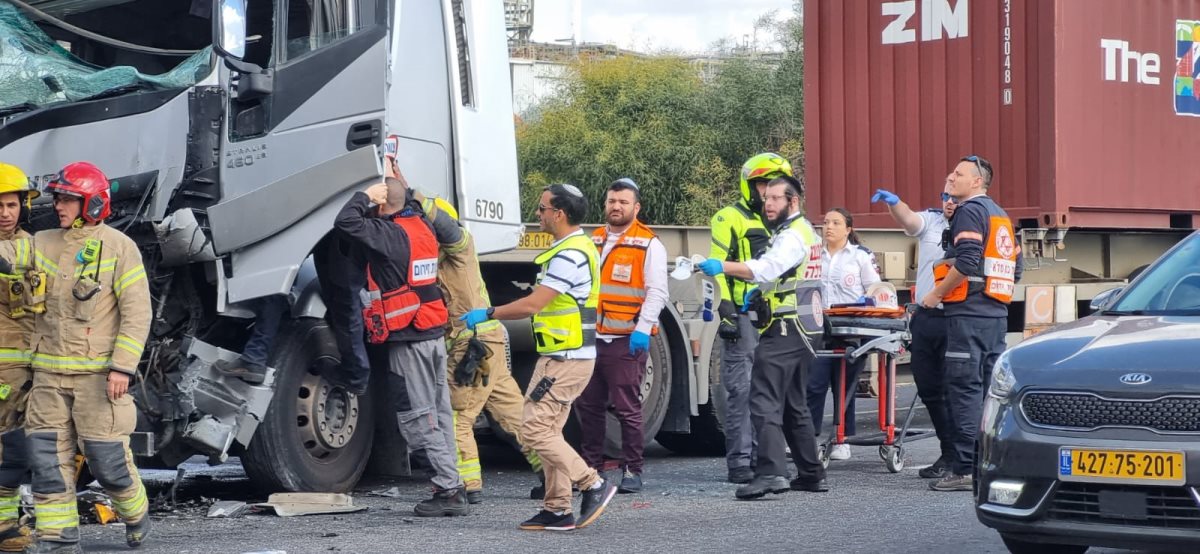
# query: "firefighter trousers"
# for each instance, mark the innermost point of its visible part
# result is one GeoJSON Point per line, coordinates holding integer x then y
{"type": "Point", "coordinates": [73, 411]}
{"type": "Point", "coordinates": [501, 397]}
{"type": "Point", "coordinates": [14, 456]}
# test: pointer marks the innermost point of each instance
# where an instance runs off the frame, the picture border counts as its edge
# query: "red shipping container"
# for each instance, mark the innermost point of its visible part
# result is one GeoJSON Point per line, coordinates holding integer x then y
{"type": "Point", "coordinates": [1084, 107]}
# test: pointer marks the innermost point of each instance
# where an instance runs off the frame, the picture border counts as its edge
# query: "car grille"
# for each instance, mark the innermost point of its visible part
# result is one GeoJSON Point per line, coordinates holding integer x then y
{"type": "Point", "coordinates": [1171, 414]}
{"type": "Point", "coordinates": [1166, 507]}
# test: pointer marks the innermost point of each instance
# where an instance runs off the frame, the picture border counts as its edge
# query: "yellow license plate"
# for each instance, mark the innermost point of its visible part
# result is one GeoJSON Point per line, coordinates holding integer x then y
{"type": "Point", "coordinates": [1121, 466]}
{"type": "Point", "coordinates": [536, 240]}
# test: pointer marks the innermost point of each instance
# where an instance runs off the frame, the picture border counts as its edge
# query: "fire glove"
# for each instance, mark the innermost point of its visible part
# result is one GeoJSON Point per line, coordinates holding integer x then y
{"type": "Point", "coordinates": [728, 328]}
{"type": "Point", "coordinates": [885, 196]}
{"type": "Point", "coordinates": [470, 371]}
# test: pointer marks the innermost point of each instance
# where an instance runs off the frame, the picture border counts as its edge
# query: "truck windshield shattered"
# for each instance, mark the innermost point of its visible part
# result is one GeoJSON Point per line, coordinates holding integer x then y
{"type": "Point", "coordinates": [36, 71]}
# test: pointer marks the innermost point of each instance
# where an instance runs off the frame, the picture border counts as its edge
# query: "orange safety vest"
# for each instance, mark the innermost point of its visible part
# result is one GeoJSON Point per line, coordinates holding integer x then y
{"type": "Point", "coordinates": [1000, 251]}
{"type": "Point", "coordinates": [622, 279]}
{"type": "Point", "coordinates": [418, 303]}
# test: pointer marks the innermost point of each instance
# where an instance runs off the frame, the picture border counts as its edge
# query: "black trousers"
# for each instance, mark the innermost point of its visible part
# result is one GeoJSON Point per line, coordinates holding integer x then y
{"type": "Point", "coordinates": [972, 346]}
{"type": "Point", "coordinates": [779, 403]}
{"type": "Point", "coordinates": [928, 365]}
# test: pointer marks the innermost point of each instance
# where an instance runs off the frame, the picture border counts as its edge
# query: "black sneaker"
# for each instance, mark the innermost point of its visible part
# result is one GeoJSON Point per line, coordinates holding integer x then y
{"type": "Point", "coordinates": [630, 483]}
{"type": "Point", "coordinates": [820, 485]}
{"type": "Point", "coordinates": [251, 373]}
{"type": "Point", "coordinates": [741, 475]}
{"type": "Point", "coordinates": [546, 520]}
{"type": "Point", "coordinates": [594, 501]}
{"type": "Point", "coordinates": [938, 470]}
{"type": "Point", "coordinates": [761, 485]}
{"type": "Point", "coordinates": [136, 533]}
{"type": "Point", "coordinates": [338, 378]}
{"type": "Point", "coordinates": [474, 497]}
{"type": "Point", "coordinates": [452, 502]}
{"type": "Point", "coordinates": [952, 483]}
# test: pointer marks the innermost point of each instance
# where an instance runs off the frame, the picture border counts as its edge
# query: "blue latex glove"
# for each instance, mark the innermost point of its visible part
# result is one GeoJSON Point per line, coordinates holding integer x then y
{"type": "Point", "coordinates": [746, 299]}
{"type": "Point", "coordinates": [475, 317]}
{"type": "Point", "coordinates": [711, 267]}
{"type": "Point", "coordinates": [638, 342]}
{"type": "Point", "coordinates": [887, 197]}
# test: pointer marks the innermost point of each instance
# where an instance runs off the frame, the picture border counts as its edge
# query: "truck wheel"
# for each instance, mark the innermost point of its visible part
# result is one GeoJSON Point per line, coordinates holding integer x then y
{"type": "Point", "coordinates": [656, 397]}
{"type": "Point", "coordinates": [708, 432]}
{"type": "Point", "coordinates": [314, 437]}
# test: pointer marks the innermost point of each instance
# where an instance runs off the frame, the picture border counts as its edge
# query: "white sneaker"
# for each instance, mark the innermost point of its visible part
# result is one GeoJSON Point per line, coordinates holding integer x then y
{"type": "Point", "coordinates": [840, 452]}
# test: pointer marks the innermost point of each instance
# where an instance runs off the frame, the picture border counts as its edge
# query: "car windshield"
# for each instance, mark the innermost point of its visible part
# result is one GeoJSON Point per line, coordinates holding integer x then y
{"type": "Point", "coordinates": [1169, 287]}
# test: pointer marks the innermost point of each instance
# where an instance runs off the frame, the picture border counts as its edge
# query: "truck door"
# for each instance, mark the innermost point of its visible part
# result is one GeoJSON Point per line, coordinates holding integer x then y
{"type": "Point", "coordinates": [305, 106]}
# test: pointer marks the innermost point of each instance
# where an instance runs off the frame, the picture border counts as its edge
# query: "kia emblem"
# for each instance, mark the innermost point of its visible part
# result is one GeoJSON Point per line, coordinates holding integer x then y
{"type": "Point", "coordinates": [1135, 378]}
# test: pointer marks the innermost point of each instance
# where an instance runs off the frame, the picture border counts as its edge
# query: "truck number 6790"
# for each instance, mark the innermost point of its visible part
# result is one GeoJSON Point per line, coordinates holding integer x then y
{"type": "Point", "coordinates": [486, 209]}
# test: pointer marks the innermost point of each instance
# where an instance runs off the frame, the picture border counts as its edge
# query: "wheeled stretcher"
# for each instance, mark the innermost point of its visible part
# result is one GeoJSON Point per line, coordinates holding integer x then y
{"type": "Point", "coordinates": [855, 332]}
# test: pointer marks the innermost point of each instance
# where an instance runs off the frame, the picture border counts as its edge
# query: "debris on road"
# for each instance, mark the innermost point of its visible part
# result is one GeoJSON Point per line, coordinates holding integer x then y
{"type": "Point", "coordinates": [228, 508]}
{"type": "Point", "coordinates": [289, 504]}
{"type": "Point", "coordinates": [393, 492]}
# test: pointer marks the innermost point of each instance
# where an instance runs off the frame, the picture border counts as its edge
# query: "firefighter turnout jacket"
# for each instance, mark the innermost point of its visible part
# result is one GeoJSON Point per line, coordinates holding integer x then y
{"type": "Point", "coordinates": [16, 325]}
{"type": "Point", "coordinates": [90, 287]}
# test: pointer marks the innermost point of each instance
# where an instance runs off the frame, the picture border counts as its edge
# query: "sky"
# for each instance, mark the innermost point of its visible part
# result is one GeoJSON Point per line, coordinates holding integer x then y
{"type": "Point", "coordinates": [687, 26]}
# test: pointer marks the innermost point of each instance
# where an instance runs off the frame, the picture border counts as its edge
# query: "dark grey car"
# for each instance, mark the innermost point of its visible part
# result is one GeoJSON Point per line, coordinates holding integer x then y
{"type": "Point", "coordinates": [1091, 432]}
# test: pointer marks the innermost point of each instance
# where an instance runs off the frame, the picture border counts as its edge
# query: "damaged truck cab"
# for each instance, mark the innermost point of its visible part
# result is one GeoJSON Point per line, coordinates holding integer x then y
{"type": "Point", "coordinates": [234, 130]}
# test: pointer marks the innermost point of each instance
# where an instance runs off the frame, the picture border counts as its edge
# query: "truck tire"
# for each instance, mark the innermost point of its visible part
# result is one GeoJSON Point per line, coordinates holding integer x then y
{"type": "Point", "coordinates": [656, 398]}
{"type": "Point", "coordinates": [314, 437]}
{"type": "Point", "coordinates": [708, 433]}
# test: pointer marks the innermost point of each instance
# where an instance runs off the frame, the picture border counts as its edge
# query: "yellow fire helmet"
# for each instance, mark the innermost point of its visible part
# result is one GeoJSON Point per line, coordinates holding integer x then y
{"type": "Point", "coordinates": [12, 179]}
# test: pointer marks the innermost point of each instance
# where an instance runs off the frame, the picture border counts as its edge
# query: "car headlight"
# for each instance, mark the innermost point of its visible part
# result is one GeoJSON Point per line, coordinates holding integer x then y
{"type": "Point", "coordinates": [1003, 381]}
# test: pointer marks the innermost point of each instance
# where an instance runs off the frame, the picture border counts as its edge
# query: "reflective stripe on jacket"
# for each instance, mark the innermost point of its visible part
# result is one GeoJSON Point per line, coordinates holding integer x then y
{"type": "Point", "coordinates": [623, 279]}
{"type": "Point", "coordinates": [738, 235]}
{"type": "Point", "coordinates": [565, 323]}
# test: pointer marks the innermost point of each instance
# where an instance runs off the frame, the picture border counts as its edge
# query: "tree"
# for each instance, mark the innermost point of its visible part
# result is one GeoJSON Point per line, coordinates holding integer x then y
{"type": "Point", "coordinates": [654, 120]}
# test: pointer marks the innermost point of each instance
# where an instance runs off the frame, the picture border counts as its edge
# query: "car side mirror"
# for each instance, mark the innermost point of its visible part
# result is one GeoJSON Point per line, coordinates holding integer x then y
{"type": "Point", "coordinates": [1102, 300]}
{"type": "Point", "coordinates": [229, 28]}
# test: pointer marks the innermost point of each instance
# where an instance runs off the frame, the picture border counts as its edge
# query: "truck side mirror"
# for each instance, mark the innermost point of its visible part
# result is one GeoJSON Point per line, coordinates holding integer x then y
{"type": "Point", "coordinates": [229, 28]}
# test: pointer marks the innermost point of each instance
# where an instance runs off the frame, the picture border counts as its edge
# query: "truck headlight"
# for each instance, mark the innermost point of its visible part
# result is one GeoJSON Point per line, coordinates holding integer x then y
{"type": "Point", "coordinates": [1003, 381]}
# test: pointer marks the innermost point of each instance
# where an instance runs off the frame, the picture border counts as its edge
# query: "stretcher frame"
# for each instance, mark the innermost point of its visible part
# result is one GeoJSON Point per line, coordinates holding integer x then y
{"type": "Point", "coordinates": [854, 342]}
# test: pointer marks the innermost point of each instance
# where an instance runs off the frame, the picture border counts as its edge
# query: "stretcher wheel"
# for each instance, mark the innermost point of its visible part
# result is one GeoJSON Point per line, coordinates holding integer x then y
{"type": "Point", "coordinates": [823, 454]}
{"type": "Point", "coordinates": [894, 459]}
{"type": "Point", "coordinates": [885, 452]}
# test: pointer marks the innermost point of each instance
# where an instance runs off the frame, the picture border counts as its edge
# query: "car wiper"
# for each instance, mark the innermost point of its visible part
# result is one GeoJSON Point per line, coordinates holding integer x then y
{"type": "Point", "coordinates": [16, 109]}
{"type": "Point", "coordinates": [1123, 312]}
{"type": "Point", "coordinates": [118, 91]}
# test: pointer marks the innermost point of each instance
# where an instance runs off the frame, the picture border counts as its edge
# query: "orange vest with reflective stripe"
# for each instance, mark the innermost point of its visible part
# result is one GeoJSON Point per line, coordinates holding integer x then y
{"type": "Point", "coordinates": [1000, 252]}
{"type": "Point", "coordinates": [622, 279]}
{"type": "Point", "coordinates": [418, 303]}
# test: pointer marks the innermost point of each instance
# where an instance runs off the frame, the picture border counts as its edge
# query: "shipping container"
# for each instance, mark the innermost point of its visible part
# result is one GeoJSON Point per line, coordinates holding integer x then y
{"type": "Point", "coordinates": [1084, 107]}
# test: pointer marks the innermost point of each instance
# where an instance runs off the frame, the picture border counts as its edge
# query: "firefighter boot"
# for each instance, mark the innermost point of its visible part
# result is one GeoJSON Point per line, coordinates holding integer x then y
{"type": "Point", "coordinates": [451, 502]}
{"type": "Point", "coordinates": [15, 537]}
{"type": "Point", "coordinates": [53, 547]}
{"type": "Point", "coordinates": [136, 533]}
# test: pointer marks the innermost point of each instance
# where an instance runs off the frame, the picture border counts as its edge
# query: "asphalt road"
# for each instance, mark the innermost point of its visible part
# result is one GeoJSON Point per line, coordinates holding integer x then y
{"type": "Point", "coordinates": [686, 506]}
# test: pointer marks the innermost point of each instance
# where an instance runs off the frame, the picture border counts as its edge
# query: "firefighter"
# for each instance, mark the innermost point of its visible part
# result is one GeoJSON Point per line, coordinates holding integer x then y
{"type": "Point", "coordinates": [791, 271]}
{"type": "Point", "coordinates": [407, 314]}
{"type": "Point", "coordinates": [928, 325]}
{"type": "Point", "coordinates": [93, 320]}
{"type": "Point", "coordinates": [563, 308]}
{"type": "Point", "coordinates": [633, 290]}
{"type": "Point", "coordinates": [16, 325]}
{"type": "Point", "coordinates": [738, 235]}
{"type": "Point", "coordinates": [975, 283]}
